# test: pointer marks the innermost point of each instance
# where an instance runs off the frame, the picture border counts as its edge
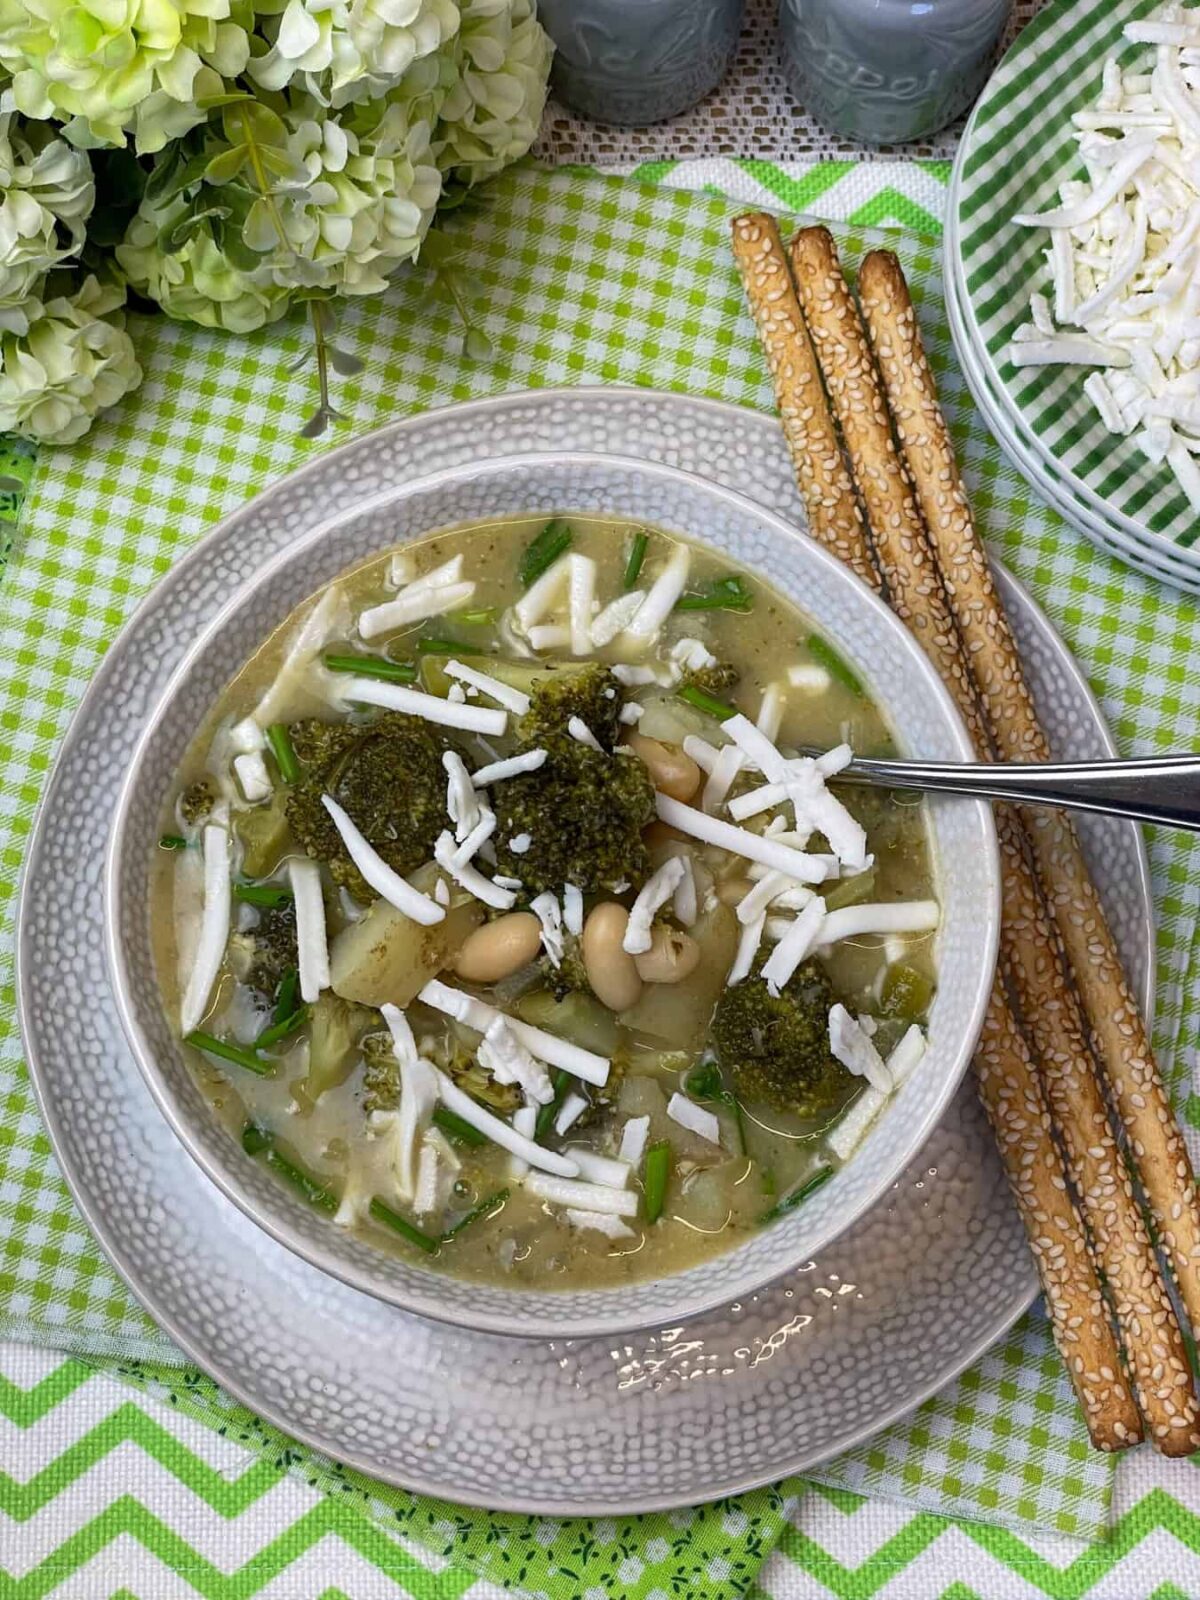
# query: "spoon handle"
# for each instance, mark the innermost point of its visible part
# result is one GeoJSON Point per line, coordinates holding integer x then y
{"type": "Point", "coordinates": [1162, 789]}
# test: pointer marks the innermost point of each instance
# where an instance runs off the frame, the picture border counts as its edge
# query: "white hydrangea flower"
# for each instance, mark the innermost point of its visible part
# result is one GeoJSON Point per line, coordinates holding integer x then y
{"type": "Point", "coordinates": [491, 116]}
{"type": "Point", "coordinates": [371, 194]}
{"type": "Point", "coordinates": [348, 51]}
{"type": "Point", "coordinates": [74, 361]}
{"type": "Point", "coordinates": [46, 197]}
{"type": "Point", "coordinates": [112, 66]}
{"type": "Point", "coordinates": [196, 283]}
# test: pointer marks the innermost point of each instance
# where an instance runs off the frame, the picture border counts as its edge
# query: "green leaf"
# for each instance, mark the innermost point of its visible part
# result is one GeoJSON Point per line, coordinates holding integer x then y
{"type": "Point", "coordinates": [259, 231]}
{"type": "Point", "coordinates": [344, 363]}
{"type": "Point", "coordinates": [227, 165]}
{"type": "Point", "coordinates": [477, 346]}
{"type": "Point", "coordinates": [436, 250]}
{"type": "Point", "coordinates": [213, 102]}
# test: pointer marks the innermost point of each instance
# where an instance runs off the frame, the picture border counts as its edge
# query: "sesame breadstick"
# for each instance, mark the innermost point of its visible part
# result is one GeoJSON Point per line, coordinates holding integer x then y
{"type": "Point", "coordinates": [1117, 1027]}
{"type": "Point", "coordinates": [1008, 1086]}
{"type": "Point", "coordinates": [834, 517]}
{"type": "Point", "coordinates": [1030, 955]}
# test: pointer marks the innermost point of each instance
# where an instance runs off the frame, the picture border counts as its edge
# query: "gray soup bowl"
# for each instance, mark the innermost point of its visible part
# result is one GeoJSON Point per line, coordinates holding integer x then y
{"type": "Point", "coordinates": [335, 531]}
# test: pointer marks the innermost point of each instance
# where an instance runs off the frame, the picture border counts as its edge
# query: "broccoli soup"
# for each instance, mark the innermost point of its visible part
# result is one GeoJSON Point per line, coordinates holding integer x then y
{"type": "Point", "coordinates": [511, 911]}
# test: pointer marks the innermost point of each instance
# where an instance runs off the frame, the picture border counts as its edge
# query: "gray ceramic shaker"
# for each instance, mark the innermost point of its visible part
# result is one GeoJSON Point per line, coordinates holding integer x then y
{"type": "Point", "coordinates": [638, 61]}
{"type": "Point", "coordinates": [885, 71]}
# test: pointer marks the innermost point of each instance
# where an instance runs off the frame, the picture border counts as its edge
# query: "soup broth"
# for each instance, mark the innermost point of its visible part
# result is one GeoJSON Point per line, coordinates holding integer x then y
{"type": "Point", "coordinates": [636, 990]}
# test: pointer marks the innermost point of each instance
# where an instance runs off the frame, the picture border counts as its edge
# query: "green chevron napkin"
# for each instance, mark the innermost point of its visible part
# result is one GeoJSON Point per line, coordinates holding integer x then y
{"type": "Point", "coordinates": [575, 278]}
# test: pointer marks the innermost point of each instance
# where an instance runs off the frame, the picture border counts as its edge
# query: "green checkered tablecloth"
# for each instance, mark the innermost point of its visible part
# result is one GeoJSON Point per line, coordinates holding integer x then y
{"type": "Point", "coordinates": [577, 278]}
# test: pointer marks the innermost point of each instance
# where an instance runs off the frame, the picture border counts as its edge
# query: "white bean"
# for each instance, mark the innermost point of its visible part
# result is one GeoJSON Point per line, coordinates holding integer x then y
{"type": "Point", "coordinates": [673, 955]}
{"type": "Point", "coordinates": [499, 948]}
{"type": "Point", "coordinates": [610, 969]}
{"type": "Point", "coordinates": [672, 772]}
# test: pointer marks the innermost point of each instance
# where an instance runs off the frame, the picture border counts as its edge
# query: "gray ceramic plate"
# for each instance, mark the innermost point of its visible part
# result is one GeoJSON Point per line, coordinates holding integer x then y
{"type": "Point", "coordinates": [901, 1302]}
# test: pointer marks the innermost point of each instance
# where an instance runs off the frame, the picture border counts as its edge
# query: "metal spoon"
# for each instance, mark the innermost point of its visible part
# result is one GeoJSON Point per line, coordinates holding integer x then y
{"type": "Point", "coordinates": [1162, 789]}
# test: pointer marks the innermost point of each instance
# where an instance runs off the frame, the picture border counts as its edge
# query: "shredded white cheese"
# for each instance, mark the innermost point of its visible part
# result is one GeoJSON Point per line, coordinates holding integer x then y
{"type": "Point", "coordinates": [810, 679]}
{"type": "Point", "coordinates": [549, 636]}
{"type": "Point", "coordinates": [570, 1112]}
{"type": "Point", "coordinates": [740, 841]}
{"type": "Point", "coordinates": [214, 926]}
{"type": "Point", "coordinates": [509, 767]}
{"type": "Point", "coordinates": [542, 596]}
{"type": "Point", "coordinates": [631, 713]}
{"type": "Point", "coordinates": [902, 916]}
{"type": "Point", "coordinates": [312, 949]}
{"type": "Point", "coordinates": [413, 605]}
{"type": "Point", "coordinates": [693, 1117]}
{"type": "Point", "coordinates": [1124, 258]}
{"type": "Point", "coordinates": [418, 1097]}
{"type": "Point", "coordinates": [796, 945]}
{"type": "Point", "coordinates": [661, 597]}
{"type": "Point", "coordinates": [503, 1055]}
{"type": "Point", "coordinates": [598, 1222]}
{"type": "Point", "coordinates": [654, 894]}
{"type": "Point", "coordinates": [633, 1141]}
{"type": "Point", "coordinates": [455, 861]}
{"type": "Point", "coordinates": [396, 697]}
{"type": "Point", "coordinates": [545, 1046]}
{"type": "Point", "coordinates": [383, 879]}
{"type": "Point", "coordinates": [502, 693]}
{"type": "Point", "coordinates": [684, 901]}
{"type": "Point", "coordinates": [572, 900]}
{"type": "Point", "coordinates": [547, 910]}
{"type": "Point", "coordinates": [600, 1169]}
{"type": "Point", "coordinates": [501, 1132]}
{"type": "Point", "coordinates": [852, 1129]}
{"type": "Point", "coordinates": [749, 941]}
{"type": "Point", "coordinates": [524, 1121]}
{"type": "Point", "coordinates": [519, 844]}
{"type": "Point", "coordinates": [852, 1046]}
{"type": "Point", "coordinates": [582, 1196]}
{"type": "Point", "coordinates": [581, 595]}
{"type": "Point", "coordinates": [250, 770]}
{"type": "Point", "coordinates": [579, 730]}
{"type": "Point", "coordinates": [462, 802]}
{"type": "Point", "coordinates": [615, 617]}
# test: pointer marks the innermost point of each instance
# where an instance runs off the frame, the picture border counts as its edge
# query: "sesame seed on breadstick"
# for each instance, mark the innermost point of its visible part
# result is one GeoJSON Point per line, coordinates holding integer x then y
{"type": "Point", "coordinates": [1146, 1320]}
{"type": "Point", "coordinates": [1116, 1023]}
{"type": "Point", "coordinates": [1008, 1086]}
{"type": "Point", "coordinates": [834, 517]}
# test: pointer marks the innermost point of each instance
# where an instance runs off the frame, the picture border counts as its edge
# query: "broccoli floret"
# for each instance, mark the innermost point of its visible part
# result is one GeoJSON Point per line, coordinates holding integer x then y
{"type": "Point", "coordinates": [590, 693]}
{"type": "Point", "coordinates": [717, 679]}
{"type": "Point", "coordinates": [776, 1047]}
{"type": "Point", "coordinates": [582, 812]}
{"type": "Point", "coordinates": [268, 949]}
{"type": "Point", "coordinates": [388, 775]}
{"type": "Point", "coordinates": [381, 1075]}
{"type": "Point", "coordinates": [570, 975]}
{"type": "Point", "coordinates": [196, 801]}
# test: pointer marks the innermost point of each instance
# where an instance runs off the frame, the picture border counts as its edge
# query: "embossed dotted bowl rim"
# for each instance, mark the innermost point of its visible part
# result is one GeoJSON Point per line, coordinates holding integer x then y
{"type": "Point", "coordinates": [907, 689]}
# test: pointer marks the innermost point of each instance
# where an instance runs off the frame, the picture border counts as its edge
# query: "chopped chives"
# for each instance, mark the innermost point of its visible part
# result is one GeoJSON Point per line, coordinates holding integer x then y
{"type": "Point", "coordinates": [656, 1171]}
{"type": "Point", "coordinates": [705, 1083]}
{"type": "Point", "coordinates": [826, 656]}
{"type": "Point", "coordinates": [545, 550]}
{"type": "Point", "coordinates": [474, 619]}
{"type": "Point", "coordinates": [637, 555]}
{"type": "Point", "coordinates": [708, 703]}
{"type": "Point", "coordinates": [313, 1191]}
{"type": "Point", "coordinates": [240, 1055]}
{"type": "Point", "coordinates": [448, 647]}
{"type": "Point", "coordinates": [791, 1201]}
{"type": "Point", "coordinates": [270, 895]}
{"type": "Point", "coordinates": [458, 1128]}
{"type": "Point", "coordinates": [547, 1113]}
{"type": "Point", "coordinates": [406, 1229]}
{"type": "Point", "coordinates": [731, 593]}
{"type": "Point", "coordinates": [255, 1139]}
{"type": "Point", "coordinates": [483, 1209]}
{"type": "Point", "coordinates": [280, 741]}
{"type": "Point", "coordinates": [371, 667]}
{"type": "Point", "coordinates": [287, 996]}
{"type": "Point", "coordinates": [172, 841]}
{"type": "Point", "coordinates": [275, 1032]}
